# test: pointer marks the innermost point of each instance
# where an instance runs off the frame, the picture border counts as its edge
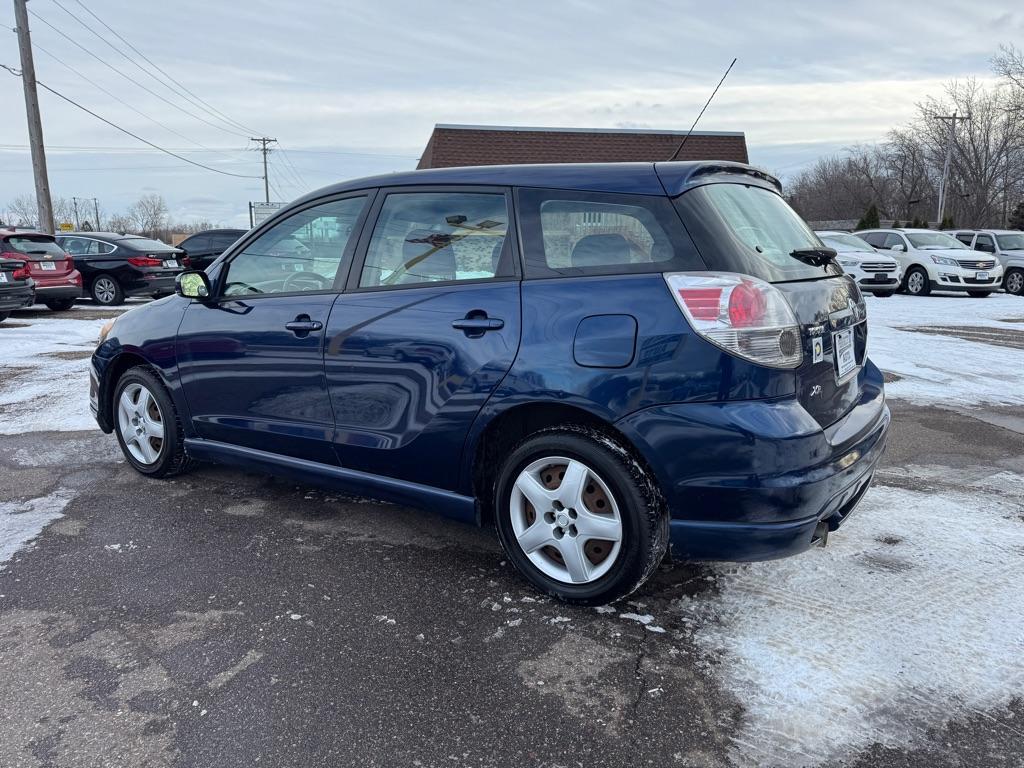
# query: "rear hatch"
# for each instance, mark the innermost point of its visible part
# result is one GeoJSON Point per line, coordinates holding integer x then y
{"type": "Point", "coordinates": [44, 259]}
{"type": "Point", "coordinates": [154, 256]}
{"type": "Point", "coordinates": [747, 228]}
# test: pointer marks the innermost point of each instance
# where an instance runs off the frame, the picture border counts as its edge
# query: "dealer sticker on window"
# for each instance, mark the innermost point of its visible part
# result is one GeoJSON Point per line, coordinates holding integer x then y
{"type": "Point", "coordinates": [842, 344]}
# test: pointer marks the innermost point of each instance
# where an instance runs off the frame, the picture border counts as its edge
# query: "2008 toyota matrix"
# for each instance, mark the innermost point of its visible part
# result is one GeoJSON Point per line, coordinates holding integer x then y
{"type": "Point", "coordinates": [601, 361]}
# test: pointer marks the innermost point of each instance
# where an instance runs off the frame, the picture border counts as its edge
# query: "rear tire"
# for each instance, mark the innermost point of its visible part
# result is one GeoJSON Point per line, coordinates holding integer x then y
{"type": "Point", "coordinates": [1013, 283]}
{"type": "Point", "coordinates": [4, 316]}
{"type": "Point", "coordinates": [106, 291]}
{"type": "Point", "coordinates": [592, 491]}
{"type": "Point", "coordinates": [60, 305]}
{"type": "Point", "coordinates": [979, 294]}
{"type": "Point", "coordinates": [147, 425]}
{"type": "Point", "coordinates": [916, 283]}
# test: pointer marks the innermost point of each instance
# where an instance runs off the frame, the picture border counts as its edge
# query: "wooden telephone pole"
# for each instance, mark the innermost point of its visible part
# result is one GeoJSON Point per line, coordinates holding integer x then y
{"type": "Point", "coordinates": [35, 126]}
{"type": "Point", "coordinates": [263, 142]}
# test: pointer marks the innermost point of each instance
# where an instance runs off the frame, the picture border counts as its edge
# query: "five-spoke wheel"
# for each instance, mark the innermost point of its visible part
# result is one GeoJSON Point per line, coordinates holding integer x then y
{"type": "Point", "coordinates": [147, 425]}
{"type": "Point", "coordinates": [141, 423]}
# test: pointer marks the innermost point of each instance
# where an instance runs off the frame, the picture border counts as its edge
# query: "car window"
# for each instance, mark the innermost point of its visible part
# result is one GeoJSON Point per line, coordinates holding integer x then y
{"type": "Point", "coordinates": [36, 247]}
{"type": "Point", "coordinates": [98, 246]}
{"type": "Point", "coordinates": [965, 237]}
{"type": "Point", "coordinates": [984, 242]}
{"type": "Point", "coordinates": [932, 241]}
{"type": "Point", "coordinates": [574, 233]}
{"type": "Point", "coordinates": [874, 239]}
{"type": "Point", "coordinates": [222, 242]}
{"type": "Point", "coordinates": [145, 244]}
{"type": "Point", "coordinates": [196, 243]}
{"type": "Point", "coordinates": [301, 253]}
{"type": "Point", "coordinates": [426, 237]}
{"type": "Point", "coordinates": [76, 246]}
{"type": "Point", "coordinates": [1012, 242]}
{"type": "Point", "coordinates": [845, 242]}
{"type": "Point", "coordinates": [892, 239]}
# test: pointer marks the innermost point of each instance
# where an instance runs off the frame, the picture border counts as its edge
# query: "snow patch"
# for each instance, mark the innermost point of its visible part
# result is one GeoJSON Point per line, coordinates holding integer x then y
{"type": "Point", "coordinates": [911, 616]}
{"type": "Point", "coordinates": [21, 522]}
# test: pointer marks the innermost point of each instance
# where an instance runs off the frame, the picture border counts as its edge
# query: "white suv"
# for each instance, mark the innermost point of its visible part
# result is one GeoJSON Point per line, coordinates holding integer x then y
{"type": "Point", "coordinates": [937, 261]}
{"type": "Point", "coordinates": [1007, 245]}
{"type": "Point", "coordinates": [875, 273]}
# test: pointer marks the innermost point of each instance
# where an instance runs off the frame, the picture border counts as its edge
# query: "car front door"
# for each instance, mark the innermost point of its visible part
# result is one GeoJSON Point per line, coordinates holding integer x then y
{"type": "Point", "coordinates": [251, 359]}
{"type": "Point", "coordinates": [428, 328]}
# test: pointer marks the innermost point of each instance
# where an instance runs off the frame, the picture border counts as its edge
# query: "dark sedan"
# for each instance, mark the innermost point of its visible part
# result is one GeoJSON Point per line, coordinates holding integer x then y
{"type": "Point", "coordinates": [17, 289]}
{"type": "Point", "coordinates": [114, 266]}
{"type": "Point", "coordinates": [203, 248]}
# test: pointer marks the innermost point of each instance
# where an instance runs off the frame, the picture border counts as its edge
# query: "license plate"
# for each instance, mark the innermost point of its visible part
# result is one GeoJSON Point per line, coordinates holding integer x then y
{"type": "Point", "coordinates": [170, 263]}
{"type": "Point", "coordinates": [3, 277]}
{"type": "Point", "coordinates": [882, 277]}
{"type": "Point", "coordinates": [47, 265]}
{"type": "Point", "coordinates": [981, 275]}
{"type": "Point", "coordinates": [842, 344]}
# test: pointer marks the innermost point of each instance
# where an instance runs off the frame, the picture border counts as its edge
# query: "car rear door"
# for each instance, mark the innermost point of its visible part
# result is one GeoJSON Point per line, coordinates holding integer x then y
{"type": "Point", "coordinates": [251, 359]}
{"type": "Point", "coordinates": [429, 326]}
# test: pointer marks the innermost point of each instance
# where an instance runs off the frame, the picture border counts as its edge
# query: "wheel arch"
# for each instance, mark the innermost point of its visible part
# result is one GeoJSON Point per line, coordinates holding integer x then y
{"type": "Point", "coordinates": [507, 428]}
{"type": "Point", "coordinates": [115, 369]}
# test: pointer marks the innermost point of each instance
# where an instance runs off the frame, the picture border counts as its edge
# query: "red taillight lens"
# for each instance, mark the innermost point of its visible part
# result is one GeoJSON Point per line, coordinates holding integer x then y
{"type": "Point", "coordinates": [21, 273]}
{"type": "Point", "coordinates": [747, 306]}
{"type": "Point", "coordinates": [144, 261]}
{"type": "Point", "coordinates": [744, 316]}
{"type": "Point", "coordinates": [186, 261]}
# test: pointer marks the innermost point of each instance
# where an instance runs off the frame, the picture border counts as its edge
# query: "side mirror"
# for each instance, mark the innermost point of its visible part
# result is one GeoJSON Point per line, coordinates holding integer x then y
{"type": "Point", "coordinates": [898, 247]}
{"type": "Point", "coordinates": [193, 284]}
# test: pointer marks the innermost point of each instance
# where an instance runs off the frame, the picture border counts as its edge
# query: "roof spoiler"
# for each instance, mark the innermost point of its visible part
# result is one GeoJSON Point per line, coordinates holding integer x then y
{"type": "Point", "coordinates": [677, 177]}
{"type": "Point", "coordinates": [746, 170]}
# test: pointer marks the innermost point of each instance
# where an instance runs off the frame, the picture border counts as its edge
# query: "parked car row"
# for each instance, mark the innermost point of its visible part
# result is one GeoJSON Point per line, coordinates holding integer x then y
{"type": "Point", "coordinates": [106, 266]}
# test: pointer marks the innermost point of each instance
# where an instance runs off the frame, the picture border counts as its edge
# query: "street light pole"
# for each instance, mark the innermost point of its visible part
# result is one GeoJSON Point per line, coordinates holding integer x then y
{"type": "Point", "coordinates": [35, 125]}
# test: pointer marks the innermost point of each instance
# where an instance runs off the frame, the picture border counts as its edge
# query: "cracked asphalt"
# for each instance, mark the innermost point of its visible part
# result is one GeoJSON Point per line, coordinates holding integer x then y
{"type": "Point", "coordinates": [232, 619]}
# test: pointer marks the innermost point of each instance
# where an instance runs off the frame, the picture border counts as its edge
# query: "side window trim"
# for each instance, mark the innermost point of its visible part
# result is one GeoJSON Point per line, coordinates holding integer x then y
{"type": "Point", "coordinates": [373, 215]}
{"type": "Point", "coordinates": [347, 256]}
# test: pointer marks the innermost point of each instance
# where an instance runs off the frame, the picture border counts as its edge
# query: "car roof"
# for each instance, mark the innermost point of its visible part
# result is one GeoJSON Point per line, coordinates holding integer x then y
{"type": "Point", "coordinates": [224, 230]}
{"type": "Point", "coordinates": [113, 236]}
{"type": "Point", "coordinates": [672, 178]}
{"type": "Point", "coordinates": [7, 231]}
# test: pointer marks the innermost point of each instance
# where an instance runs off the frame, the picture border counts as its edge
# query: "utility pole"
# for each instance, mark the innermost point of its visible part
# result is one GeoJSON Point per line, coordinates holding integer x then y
{"type": "Point", "coordinates": [74, 204]}
{"type": "Point", "coordinates": [263, 142]}
{"type": "Point", "coordinates": [949, 157]}
{"type": "Point", "coordinates": [35, 126]}
{"type": "Point", "coordinates": [96, 211]}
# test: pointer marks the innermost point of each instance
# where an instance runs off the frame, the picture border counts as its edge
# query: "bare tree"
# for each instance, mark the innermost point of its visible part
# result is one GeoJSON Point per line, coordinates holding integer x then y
{"type": "Point", "coordinates": [120, 222]}
{"type": "Point", "coordinates": [149, 214]}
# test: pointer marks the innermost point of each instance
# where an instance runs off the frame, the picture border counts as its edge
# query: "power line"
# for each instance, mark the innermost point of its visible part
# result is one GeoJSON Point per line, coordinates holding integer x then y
{"type": "Point", "coordinates": [122, 101]}
{"type": "Point", "coordinates": [135, 63]}
{"type": "Point", "coordinates": [159, 69]}
{"type": "Point", "coordinates": [292, 167]}
{"type": "Point", "coordinates": [130, 78]}
{"type": "Point", "coordinates": [74, 103]}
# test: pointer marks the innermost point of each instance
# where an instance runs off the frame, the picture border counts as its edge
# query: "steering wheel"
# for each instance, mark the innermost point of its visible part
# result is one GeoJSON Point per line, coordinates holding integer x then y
{"type": "Point", "coordinates": [319, 281]}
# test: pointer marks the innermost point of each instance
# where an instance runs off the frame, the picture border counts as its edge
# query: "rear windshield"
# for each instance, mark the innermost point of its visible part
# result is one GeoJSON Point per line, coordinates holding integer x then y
{"type": "Point", "coordinates": [752, 230]}
{"type": "Point", "coordinates": [145, 244]}
{"type": "Point", "coordinates": [36, 247]}
{"type": "Point", "coordinates": [934, 240]}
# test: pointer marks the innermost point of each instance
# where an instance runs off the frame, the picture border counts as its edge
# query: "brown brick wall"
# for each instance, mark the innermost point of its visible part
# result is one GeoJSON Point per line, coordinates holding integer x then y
{"type": "Point", "coordinates": [472, 146]}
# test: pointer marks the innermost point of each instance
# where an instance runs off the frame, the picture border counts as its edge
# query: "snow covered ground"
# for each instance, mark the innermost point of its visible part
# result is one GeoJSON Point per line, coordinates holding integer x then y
{"type": "Point", "coordinates": [944, 370]}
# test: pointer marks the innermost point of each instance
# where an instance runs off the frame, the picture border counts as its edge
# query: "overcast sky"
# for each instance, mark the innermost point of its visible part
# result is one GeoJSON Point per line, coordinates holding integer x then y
{"type": "Point", "coordinates": [353, 88]}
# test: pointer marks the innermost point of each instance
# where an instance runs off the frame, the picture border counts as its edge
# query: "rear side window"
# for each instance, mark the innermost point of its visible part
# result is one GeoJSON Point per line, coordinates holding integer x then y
{"type": "Point", "coordinates": [875, 239]}
{"type": "Point", "coordinates": [965, 237]}
{"type": "Point", "coordinates": [432, 237]}
{"type": "Point", "coordinates": [36, 247]}
{"type": "Point", "coordinates": [196, 243]}
{"type": "Point", "coordinates": [892, 240]}
{"type": "Point", "coordinates": [580, 233]}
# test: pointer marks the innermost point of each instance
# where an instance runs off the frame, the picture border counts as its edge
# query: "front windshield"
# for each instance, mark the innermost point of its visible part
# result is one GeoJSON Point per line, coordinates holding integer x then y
{"type": "Point", "coordinates": [930, 241]}
{"type": "Point", "coordinates": [1014, 242]}
{"type": "Point", "coordinates": [752, 230]}
{"type": "Point", "coordinates": [842, 242]}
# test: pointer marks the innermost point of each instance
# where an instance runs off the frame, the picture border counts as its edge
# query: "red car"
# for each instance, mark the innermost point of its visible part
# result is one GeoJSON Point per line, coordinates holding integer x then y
{"type": "Point", "coordinates": [57, 281]}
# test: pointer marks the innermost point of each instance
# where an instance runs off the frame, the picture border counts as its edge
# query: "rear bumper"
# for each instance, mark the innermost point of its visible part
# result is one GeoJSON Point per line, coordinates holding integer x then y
{"type": "Point", "coordinates": [150, 286]}
{"type": "Point", "coordinates": [16, 297]}
{"type": "Point", "coordinates": [51, 292]}
{"type": "Point", "coordinates": [752, 480]}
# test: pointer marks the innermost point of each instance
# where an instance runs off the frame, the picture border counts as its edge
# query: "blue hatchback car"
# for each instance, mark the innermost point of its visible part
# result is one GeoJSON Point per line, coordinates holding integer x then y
{"type": "Point", "coordinates": [601, 361]}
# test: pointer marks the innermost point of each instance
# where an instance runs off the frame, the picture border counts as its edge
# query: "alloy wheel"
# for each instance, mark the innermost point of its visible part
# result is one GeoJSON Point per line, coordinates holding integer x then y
{"type": "Point", "coordinates": [566, 520]}
{"type": "Point", "coordinates": [104, 290]}
{"type": "Point", "coordinates": [915, 283]}
{"type": "Point", "coordinates": [1015, 283]}
{"type": "Point", "coordinates": [141, 423]}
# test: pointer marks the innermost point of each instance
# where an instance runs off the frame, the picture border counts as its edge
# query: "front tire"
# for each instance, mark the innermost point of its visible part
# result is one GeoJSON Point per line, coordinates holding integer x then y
{"type": "Point", "coordinates": [106, 291]}
{"type": "Point", "coordinates": [884, 294]}
{"type": "Point", "coordinates": [979, 294]}
{"type": "Point", "coordinates": [917, 283]}
{"type": "Point", "coordinates": [4, 316]}
{"type": "Point", "coordinates": [1013, 283]}
{"type": "Point", "coordinates": [578, 516]}
{"type": "Point", "coordinates": [147, 425]}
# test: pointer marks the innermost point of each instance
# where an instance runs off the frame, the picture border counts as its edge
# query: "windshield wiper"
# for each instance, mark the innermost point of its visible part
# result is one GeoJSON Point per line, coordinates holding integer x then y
{"type": "Point", "coordinates": [816, 257]}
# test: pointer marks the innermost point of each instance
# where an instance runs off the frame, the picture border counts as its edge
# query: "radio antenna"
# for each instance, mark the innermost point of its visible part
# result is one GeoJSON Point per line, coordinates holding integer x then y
{"type": "Point", "coordinates": [683, 142]}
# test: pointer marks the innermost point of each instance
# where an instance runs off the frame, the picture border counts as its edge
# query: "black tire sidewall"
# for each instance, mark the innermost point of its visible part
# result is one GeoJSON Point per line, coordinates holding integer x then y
{"type": "Point", "coordinates": [171, 450]}
{"type": "Point", "coordinates": [1015, 272]}
{"type": "Point", "coordinates": [60, 305]}
{"type": "Point", "coordinates": [644, 526]}
{"type": "Point", "coordinates": [925, 289]}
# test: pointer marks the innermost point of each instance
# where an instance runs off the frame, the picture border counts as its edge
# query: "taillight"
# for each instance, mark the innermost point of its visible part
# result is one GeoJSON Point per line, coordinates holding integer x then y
{"type": "Point", "coordinates": [22, 272]}
{"type": "Point", "coordinates": [144, 261]}
{"type": "Point", "coordinates": [744, 316]}
{"type": "Point", "coordinates": [186, 261]}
